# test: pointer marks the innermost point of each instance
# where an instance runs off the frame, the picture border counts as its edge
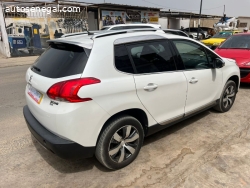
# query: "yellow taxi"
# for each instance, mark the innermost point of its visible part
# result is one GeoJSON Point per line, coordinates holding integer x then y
{"type": "Point", "coordinates": [218, 38]}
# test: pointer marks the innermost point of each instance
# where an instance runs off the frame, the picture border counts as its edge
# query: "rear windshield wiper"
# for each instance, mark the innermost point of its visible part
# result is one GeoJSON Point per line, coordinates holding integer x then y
{"type": "Point", "coordinates": [36, 68]}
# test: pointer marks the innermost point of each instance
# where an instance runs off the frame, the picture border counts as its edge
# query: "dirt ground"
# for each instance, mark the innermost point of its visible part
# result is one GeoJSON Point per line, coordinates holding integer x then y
{"type": "Point", "coordinates": [209, 150]}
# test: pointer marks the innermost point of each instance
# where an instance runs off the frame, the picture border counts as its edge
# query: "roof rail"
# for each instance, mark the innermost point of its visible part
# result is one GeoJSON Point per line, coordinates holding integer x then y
{"type": "Point", "coordinates": [80, 33]}
{"type": "Point", "coordinates": [109, 33]}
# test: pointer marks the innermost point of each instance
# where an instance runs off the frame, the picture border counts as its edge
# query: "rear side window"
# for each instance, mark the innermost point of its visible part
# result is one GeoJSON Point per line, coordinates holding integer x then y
{"type": "Point", "coordinates": [122, 61]}
{"type": "Point", "coordinates": [61, 60]}
{"type": "Point", "coordinates": [152, 57]}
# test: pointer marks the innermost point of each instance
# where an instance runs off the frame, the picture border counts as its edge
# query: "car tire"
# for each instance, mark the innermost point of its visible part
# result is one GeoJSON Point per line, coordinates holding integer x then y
{"type": "Point", "coordinates": [120, 142]}
{"type": "Point", "coordinates": [227, 98]}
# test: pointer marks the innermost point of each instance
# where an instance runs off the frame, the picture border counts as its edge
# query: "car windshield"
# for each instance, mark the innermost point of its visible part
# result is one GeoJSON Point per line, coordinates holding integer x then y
{"type": "Point", "coordinates": [223, 35]}
{"type": "Point", "coordinates": [238, 42]}
{"type": "Point", "coordinates": [105, 28]}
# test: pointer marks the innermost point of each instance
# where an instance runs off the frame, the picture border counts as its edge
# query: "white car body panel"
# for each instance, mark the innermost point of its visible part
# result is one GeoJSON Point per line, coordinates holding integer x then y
{"type": "Point", "coordinates": [206, 90]}
{"type": "Point", "coordinates": [168, 99]}
{"type": "Point", "coordinates": [82, 122]}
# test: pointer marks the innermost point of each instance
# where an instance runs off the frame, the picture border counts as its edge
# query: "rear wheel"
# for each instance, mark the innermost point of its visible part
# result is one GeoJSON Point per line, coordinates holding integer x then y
{"type": "Point", "coordinates": [120, 142]}
{"type": "Point", "coordinates": [227, 98]}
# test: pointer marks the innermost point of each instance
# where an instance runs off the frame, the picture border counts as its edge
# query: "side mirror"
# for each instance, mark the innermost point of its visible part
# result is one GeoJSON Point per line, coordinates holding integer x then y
{"type": "Point", "coordinates": [219, 63]}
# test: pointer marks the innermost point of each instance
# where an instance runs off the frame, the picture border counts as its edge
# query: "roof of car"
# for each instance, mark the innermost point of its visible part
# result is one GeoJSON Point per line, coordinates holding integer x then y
{"type": "Point", "coordinates": [135, 24]}
{"type": "Point", "coordinates": [87, 41]}
{"type": "Point", "coordinates": [83, 40]}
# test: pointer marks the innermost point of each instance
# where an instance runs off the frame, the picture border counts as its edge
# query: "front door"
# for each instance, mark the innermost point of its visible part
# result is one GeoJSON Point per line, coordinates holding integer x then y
{"type": "Point", "coordinates": [204, 81]}
{"type": "Point", "coordinates": [161, 89]}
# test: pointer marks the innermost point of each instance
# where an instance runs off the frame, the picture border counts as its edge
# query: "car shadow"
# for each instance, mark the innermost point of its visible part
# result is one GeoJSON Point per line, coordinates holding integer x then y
{"type": "Point", "coordinates": [79, 165]}
{"type": "Point", "coordinates": [174, 128]}
{"type": "Point", "coordinates": [244, 85]}
{"type": "Point", "coordinates": [67, 166]}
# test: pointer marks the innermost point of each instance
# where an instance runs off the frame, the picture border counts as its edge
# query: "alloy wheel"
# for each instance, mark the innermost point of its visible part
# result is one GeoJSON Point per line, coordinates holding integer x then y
{"type": "Point", "coordinates": [229, 96]}
{"type": "Point", "coordinates": [123, 143]}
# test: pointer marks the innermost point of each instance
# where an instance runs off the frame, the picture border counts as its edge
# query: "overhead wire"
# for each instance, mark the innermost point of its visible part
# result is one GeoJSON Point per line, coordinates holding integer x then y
{"type": "Point", "coordinates": [179, 8]}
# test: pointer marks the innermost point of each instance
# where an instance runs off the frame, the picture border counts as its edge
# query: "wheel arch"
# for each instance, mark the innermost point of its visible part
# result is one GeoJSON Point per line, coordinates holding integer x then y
{"type": "Point", "coordinates": [137, 113]}
{"type": "Point", "coordinates": [236, 79]}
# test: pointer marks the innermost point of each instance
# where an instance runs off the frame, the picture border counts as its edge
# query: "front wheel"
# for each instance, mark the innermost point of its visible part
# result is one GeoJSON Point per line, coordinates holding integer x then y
{"type": "Point", "coordinates": [227, 98]}
{"type": "Point", "coordinates": [120, 142]}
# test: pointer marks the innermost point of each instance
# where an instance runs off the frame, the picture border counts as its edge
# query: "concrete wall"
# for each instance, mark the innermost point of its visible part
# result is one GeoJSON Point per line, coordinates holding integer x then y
{"type": "Point", "coordinates": [205, 22]}
{"type": "Point", "coordinates": [185, 23]}
{"type": "Point", "coordinates": [174, 23]}
{"type": "Point", "coordinates": [163, 22]}
{"type": "Point", "coordinates": [4, 46]}
{"type": "Point", "coordinates": [244, 20]}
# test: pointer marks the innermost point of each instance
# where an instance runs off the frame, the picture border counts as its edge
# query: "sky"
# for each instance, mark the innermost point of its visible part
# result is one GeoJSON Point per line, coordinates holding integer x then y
{"type": "Point", "coordinates": [234, 8]}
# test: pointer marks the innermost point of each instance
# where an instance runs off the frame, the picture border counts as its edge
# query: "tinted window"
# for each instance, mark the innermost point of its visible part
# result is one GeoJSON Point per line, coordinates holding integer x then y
{"type": "Point", "coordinates": [118, 28]}
{"type": "Point", "coordinates": [222, 35]}
{"type": "Point", "coordinates": [211, 56]}
{"type": "Point", "coordinates": [175, 33]}
{"type": "Point", "coordinates": [237, 41]}
{"type": "Point", "coordinates": [182, 34]}
{"type": "Point", "coordinates": [61, 60]}
{"type": "Point", "coordinates": [122, 61]}
{"type": "Point", "coordinates": [105, 28]}
{"type": "Point", "coordinates": [152, 57]}
{"type": "Point", "coordinates": [192, 55]}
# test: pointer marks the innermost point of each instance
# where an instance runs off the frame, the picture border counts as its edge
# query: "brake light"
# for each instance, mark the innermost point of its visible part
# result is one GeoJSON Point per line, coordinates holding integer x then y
{"type": "Point", "coordinates": [67, 90]}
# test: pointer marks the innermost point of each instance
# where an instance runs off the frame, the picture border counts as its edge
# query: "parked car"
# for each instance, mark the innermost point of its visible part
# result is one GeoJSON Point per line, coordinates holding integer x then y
{"type": "Point", "coordinates": [131, 26]}
{"type": "Point", "coordinates": [218, 38]}
{"type": "Point", "coordinates": [175, 32]}
{"type": "Point", "coordinates": [102, 94]}
{"type": "Point", "coordinates": [192, 32]}
{"type": "Point", "coordinates": [237, 47]}
{"type": "Point", "coordinates": [209, 30]}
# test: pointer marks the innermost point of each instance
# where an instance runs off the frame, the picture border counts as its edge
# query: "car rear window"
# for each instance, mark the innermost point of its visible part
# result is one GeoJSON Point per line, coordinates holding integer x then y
{"type": "Point", "coordinates": [61, 60]}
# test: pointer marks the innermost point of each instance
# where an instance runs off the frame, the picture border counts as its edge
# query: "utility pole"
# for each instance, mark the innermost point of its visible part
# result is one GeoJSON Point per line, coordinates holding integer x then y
{"type": "Point", "coordinates": [199, 21]}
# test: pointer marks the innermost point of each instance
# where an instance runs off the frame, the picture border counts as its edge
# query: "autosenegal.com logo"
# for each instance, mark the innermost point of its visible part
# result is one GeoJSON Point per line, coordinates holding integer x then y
{"type": "Point", "coordinates": [47, 10]}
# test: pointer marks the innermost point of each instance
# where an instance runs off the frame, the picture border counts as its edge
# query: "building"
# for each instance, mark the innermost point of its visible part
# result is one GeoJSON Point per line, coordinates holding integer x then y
{"type": "Point", "coordinates": [244, 22]}
{"type": "Point", "coordinates": [26, 33]}
{"type": "Point", "coordinates": [176, 20]}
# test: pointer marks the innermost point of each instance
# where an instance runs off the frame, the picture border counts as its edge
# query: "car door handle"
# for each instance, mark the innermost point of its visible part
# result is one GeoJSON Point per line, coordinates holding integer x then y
{"type": "Point", "coordinates": [193, 81]}
{"type": "Point", "coordinates": [150, 87]}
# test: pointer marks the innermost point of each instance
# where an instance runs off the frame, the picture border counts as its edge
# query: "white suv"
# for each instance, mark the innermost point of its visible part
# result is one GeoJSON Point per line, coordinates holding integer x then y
{"type": "Point", "coordinates": [131, 26]}
{"type": "Point", "coordinates": [102, 94]}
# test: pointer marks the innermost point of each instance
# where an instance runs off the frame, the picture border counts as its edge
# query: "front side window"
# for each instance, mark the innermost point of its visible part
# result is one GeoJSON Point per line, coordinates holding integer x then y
{"type": "Point", "coordinates": [211, 57]}
{"type": "Point", "coordinates": [193, 55]}
{"type": "Point", "coordinates": [152, 57]}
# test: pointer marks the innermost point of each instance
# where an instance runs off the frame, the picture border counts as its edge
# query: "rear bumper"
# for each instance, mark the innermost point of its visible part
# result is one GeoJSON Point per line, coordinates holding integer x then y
{"type": "Point", "coordinates": [63, 148]}
{"type": "Point", "coordinates": [245, 75]}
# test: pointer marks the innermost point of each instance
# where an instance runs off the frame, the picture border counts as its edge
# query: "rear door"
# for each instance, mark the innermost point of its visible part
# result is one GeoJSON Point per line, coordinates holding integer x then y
{"type": "Point", "coordinates": [204, 81]}
{"type": "Point", "coordinates": [160, 87]}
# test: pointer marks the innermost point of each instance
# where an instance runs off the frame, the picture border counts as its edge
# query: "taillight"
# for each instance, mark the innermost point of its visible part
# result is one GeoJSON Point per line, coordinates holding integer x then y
{"type": "Point", "coordinates": [67, 90]}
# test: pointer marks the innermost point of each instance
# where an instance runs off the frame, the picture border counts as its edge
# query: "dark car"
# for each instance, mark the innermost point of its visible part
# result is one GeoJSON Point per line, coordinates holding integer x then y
{"type": "Point", "coordinates": [192, 32]}
{"type": "Point", "coordinates": [175, 32]}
